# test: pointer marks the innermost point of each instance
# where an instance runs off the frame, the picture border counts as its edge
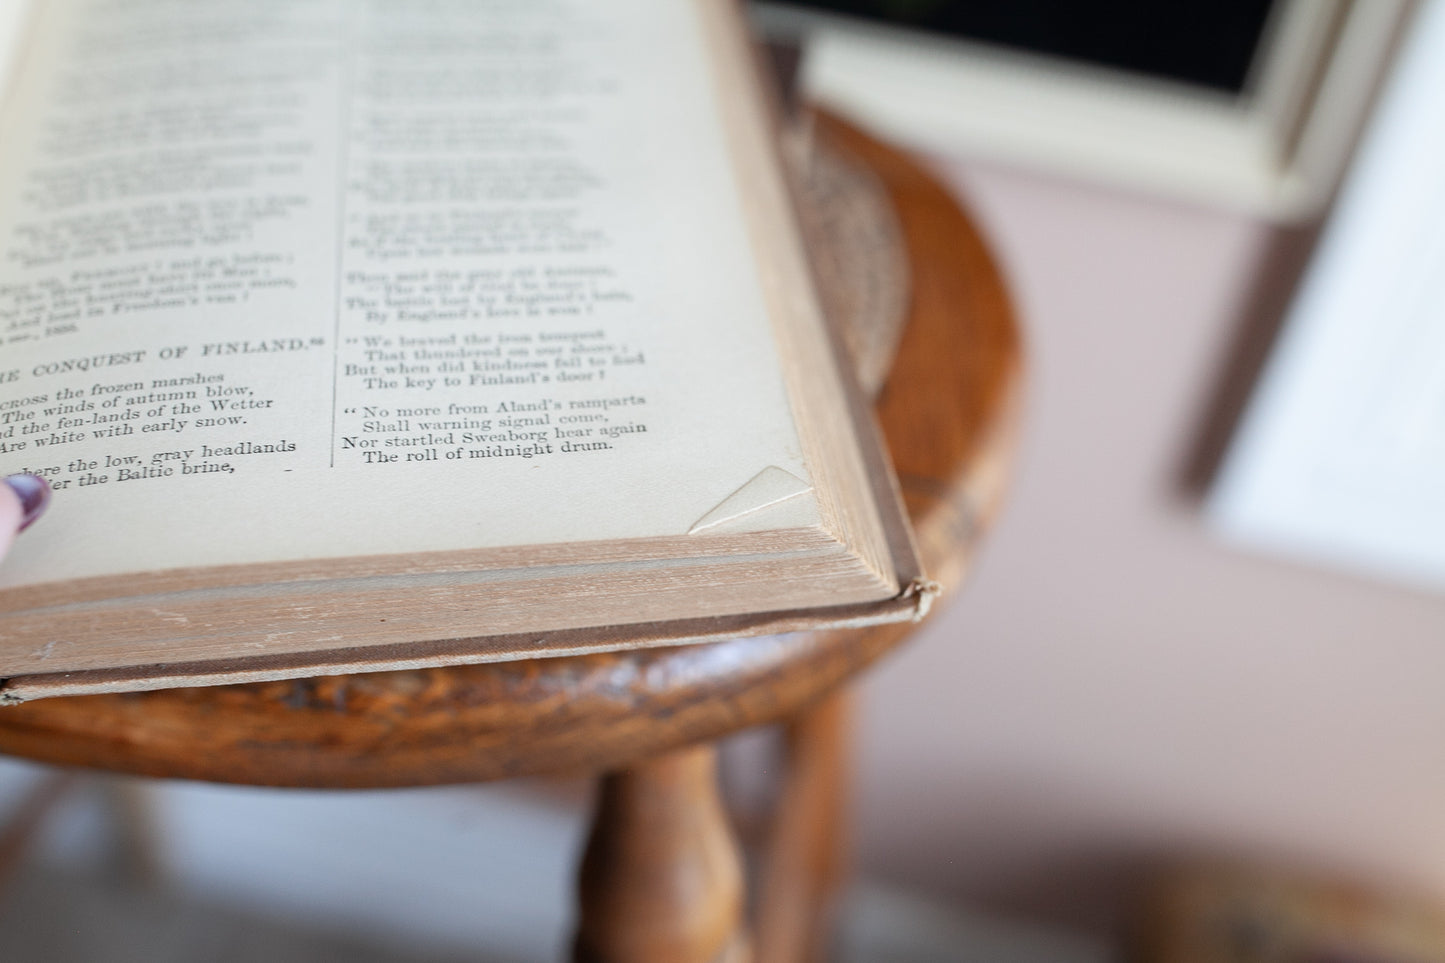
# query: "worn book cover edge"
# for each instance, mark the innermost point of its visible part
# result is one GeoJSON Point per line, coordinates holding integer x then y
{"type": "Point", "coordinates": [912, 604]}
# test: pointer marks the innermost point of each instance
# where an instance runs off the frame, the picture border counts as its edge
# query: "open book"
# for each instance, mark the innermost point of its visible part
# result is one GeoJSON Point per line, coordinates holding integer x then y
{"type": "Point", "coordinates": [365, 335]}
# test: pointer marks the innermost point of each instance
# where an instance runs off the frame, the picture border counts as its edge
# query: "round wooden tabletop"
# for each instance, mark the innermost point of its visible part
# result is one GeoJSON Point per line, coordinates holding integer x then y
{"type": "Point", "coordinates": [947, 408]}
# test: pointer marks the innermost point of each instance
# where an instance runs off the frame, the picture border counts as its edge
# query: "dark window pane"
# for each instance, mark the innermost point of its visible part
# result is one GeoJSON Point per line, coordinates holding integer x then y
{"type": "Point", "coordinates": [1207, 43]}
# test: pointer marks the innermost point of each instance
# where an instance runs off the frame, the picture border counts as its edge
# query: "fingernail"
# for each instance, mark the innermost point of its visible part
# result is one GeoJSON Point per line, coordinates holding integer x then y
{"type": "Point", "coordinates": [34, 493]}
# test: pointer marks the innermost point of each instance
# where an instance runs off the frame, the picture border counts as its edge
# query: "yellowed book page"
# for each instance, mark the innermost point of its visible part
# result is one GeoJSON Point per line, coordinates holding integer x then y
{"type": "Point", "coordinates": [313, 278]}
{"type": "Point", "coordinates": [13, 14]}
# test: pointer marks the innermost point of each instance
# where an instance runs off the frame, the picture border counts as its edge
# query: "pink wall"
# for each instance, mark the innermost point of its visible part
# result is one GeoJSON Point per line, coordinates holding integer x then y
{"type": "Point", "coordinates": [1114, 685]}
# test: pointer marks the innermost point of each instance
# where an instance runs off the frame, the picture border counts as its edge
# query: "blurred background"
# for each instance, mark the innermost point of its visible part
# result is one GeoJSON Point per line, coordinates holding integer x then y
{"type": "Point", "coordinates": [1198, 679]}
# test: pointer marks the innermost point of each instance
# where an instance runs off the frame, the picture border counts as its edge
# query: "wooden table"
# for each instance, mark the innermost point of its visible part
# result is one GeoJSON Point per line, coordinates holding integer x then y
{"type": "Point", "coordinates": [661, 879]}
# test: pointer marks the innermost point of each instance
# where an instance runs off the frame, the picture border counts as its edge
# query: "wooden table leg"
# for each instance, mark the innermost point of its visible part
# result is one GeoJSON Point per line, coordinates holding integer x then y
{"type": "Point", "coordinates": [662, 877]}
{"type": "Point", "coordinates": [805, 861]}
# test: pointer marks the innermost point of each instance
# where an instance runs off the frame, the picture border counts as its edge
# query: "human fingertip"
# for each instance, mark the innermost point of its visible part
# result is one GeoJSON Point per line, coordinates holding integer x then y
{"type": "Point", "coordinates": [34, 494]}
